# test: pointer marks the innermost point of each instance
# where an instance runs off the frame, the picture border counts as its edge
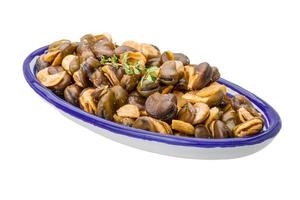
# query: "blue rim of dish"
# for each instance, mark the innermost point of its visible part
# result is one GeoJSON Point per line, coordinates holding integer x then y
{"type": "Point", "coordinates": [273, 124]}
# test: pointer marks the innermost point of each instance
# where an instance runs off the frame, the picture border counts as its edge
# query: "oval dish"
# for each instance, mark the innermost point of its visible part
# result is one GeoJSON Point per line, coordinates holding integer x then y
{"type": "Point", "coordinates": [159, 143]}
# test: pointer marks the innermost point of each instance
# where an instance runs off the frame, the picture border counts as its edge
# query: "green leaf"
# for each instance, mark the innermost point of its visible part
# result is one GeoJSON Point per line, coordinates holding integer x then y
{"type": "Point", "coordinates": [103, 60]}
{"type": "Point", "coordinates": [114, 59]}
{"type": "Point", "coordinates": [127, 67]}
{"type": "Point", "coordinates": [132, 69]}
{"type": "Point", "coordinates": [150, 74]}
{"type": "Point", "coordinates": [128, 71]}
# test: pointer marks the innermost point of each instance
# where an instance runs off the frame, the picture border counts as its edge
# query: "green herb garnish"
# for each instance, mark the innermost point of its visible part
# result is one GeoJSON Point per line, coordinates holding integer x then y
{"type": "Point", "coordinates": [113, 60]}
{"type": "Point", "coordinates": [150, 74]}
{"type": "Point", "coordinates": [130, 69]}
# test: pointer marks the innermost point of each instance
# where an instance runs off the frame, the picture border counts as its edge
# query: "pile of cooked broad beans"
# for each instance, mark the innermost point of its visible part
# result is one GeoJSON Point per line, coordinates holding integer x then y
{"type": "Point", "coordinates": [137, 85]}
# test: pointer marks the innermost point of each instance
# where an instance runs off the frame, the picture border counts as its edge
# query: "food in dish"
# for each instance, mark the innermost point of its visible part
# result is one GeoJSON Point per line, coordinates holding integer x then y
{"type": "Point", "coordinates": [137, 85]}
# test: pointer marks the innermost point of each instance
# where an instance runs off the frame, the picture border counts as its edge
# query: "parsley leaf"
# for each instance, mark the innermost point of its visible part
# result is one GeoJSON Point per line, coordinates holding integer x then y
{"type": "Point", "coordinates": [150, 74]}
{"type": "Point", "coordinates": [113, 60]}
{"type": "Point", "coordinates": [130, 69]}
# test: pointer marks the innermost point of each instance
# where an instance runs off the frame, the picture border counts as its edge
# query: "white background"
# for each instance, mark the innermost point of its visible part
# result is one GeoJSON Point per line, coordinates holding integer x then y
{"type": "Point", "coordinates": [46, 156]}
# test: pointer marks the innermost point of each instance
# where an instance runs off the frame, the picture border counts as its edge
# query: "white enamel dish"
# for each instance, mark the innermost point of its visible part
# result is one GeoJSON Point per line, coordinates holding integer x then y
{"type": "Point", "coordinates": [159, 143]}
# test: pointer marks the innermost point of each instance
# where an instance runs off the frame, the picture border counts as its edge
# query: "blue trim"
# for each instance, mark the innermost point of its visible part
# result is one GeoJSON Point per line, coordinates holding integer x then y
{"type": "Point", "coordinates": [273, 124]}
